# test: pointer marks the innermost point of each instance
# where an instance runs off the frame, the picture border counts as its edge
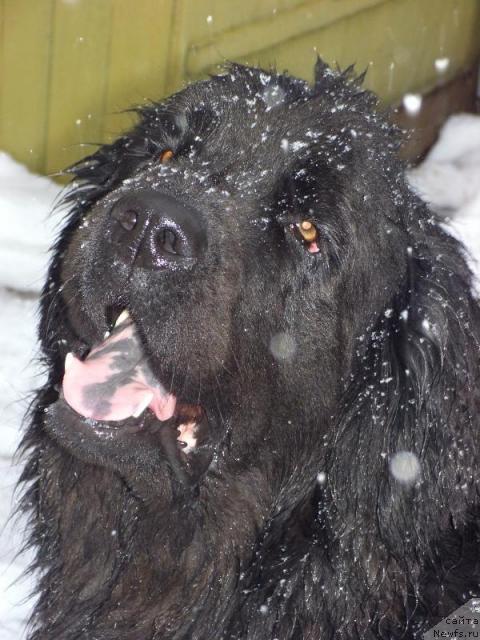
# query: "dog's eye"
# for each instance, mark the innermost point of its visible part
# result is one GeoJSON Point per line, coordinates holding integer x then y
{"type": "Point", "coordinates": [307, 233]}
{"type": "Point", "coordinates": [307, 230]}
{"type": "Point", "coordinates": [165, 156]}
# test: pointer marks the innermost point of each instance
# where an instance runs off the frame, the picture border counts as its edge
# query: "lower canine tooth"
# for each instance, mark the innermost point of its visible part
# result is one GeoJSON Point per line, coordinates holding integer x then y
{"type": "Point", "coordinates": [143, 405]}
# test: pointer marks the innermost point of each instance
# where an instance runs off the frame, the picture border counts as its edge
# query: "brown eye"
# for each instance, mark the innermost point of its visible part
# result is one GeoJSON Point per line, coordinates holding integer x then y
{"type": "Point", "coordinates": [165, 156]}
{"type": "Point", "coordinates": [307, 230]}
{"type": "Point", "coordinates": [307, 233]}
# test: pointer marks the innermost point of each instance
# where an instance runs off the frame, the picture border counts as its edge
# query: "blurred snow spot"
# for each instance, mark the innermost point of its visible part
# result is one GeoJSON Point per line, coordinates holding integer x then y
{"type": "Point", "coordinates": [321, 477]}
{"type": "Point", "coordinates": [209, 19]}
{"type": "Point", "coordinates": [264, 609]}
{"type": "Point", "coordinates": [283, 346]}
{"type": "Point", "coordinates": [442, 64]}
{"type": "Point", "coordinates": [181, 121]}
{"type": "Point", "coordinates": [412, 103]}
{"type": "Point", "coordinates": [284, 145]}
{"type": "Point", "coordinates": [426, 324]}
{"type": "Point", "coordinates": [273, 96]}
{"type": "Point", "coordinates": [405, 467]}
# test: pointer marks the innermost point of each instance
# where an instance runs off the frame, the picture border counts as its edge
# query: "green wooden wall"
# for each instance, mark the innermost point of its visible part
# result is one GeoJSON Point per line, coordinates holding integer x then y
{"type": "Point", "coordinates": [68, 68]}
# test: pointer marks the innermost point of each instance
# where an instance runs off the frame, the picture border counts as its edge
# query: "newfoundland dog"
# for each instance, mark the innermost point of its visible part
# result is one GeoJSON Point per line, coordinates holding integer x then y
{"type": "Point", "coordinates": [261, 416]}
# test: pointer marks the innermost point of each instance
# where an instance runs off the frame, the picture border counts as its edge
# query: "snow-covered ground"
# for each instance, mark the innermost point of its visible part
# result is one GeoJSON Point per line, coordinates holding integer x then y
{"type": "Point", "coordinates": [449, 179]}
{"type": "Point", "coordinates": [26, 230]}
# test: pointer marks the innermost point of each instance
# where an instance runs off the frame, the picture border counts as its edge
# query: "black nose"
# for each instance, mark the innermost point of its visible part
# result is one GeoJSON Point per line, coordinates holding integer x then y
{"type": "Point", "coordinates": [154, 231]}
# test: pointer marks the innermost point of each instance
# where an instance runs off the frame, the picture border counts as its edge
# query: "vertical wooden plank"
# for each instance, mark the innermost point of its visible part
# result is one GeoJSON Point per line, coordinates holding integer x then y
{"type": "Point", "coordinates": [26, 30]}
{"type": "Point", "coordinates": [400, 41]}
{"type": "Point", "coordinates": [139, 48]}
{"type": "Point", "coordinates": [64, 63]}
{"type": "Point", "coordinates": [78, 79]}
{"type": "Point", "coordinates": [179, 37]}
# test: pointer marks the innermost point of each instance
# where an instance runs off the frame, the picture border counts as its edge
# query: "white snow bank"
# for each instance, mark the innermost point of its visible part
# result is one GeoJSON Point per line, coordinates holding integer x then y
{"type": "Point", "coordinates": [26, 232]}
{"type": "Point", "coordinates": [19, 371]}
{"type": "Point", "coordinates": [449, 180]}
{"type": "Point", "coordinates": [26, 225]}
{"type": "Point", "coordinates": [19, 374]}
{"type": "Point", "coordinates": [15, 605]}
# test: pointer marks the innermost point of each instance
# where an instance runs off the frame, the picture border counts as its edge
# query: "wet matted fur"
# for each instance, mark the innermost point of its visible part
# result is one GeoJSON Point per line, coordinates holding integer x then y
{"type": "Point", "coordinates": [313, 369]}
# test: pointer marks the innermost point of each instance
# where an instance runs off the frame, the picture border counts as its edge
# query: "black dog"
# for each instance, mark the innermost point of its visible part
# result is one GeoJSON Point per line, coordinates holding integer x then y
{"type": "Point", "coordinates": [280, 438]}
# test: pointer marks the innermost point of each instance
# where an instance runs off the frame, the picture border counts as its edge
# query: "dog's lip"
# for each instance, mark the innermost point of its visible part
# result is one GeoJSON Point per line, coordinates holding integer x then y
{"type": "Point", "coordinates": [189, 421]}
{"type": "Point", "coordinates": [169, 437]}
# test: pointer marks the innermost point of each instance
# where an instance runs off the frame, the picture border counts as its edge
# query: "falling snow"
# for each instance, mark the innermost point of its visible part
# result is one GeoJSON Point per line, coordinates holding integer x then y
{"type": "Point", "coordinates": [283, 346]}
{"type": "Point", "coordinates": [442, 64]}
{"type": "Point", "coordinates": [405, 467]}
{"type": "Point", "coordinates": [321, 477]}
{"type": "Point", "coordinates": [412, 103]}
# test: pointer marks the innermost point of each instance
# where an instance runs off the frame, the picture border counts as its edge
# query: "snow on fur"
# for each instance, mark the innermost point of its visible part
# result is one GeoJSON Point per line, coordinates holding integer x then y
{"type": "Point", "coordinates": [449, 179]}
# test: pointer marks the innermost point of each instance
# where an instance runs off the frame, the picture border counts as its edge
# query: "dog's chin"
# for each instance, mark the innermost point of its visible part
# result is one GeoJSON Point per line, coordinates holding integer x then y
{"type": "Point", "coordinates": [141, 450]}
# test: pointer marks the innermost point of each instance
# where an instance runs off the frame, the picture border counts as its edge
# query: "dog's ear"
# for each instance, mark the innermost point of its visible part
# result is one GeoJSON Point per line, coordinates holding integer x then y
{"type": "Point", "coordinates": [402, 465]}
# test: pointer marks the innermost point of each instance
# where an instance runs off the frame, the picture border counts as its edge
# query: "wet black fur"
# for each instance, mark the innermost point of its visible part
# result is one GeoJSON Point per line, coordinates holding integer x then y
{"type": "Point", "coordinates": [386, 359]}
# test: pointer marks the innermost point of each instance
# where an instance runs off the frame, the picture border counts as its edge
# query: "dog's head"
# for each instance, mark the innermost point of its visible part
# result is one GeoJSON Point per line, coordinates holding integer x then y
{"type": "Point", "coordinates": [258, 232]}
{"type": "Point", "coordinates": [247, 273]}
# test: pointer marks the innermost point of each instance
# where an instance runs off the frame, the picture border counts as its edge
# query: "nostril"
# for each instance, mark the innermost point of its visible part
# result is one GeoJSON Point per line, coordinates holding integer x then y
{"type": "Point", "coordinates": [127, 218]}
{"type": "Point", "coordinates": [152, 230]}
{"type": "Point", "coordinates": [168, 241]}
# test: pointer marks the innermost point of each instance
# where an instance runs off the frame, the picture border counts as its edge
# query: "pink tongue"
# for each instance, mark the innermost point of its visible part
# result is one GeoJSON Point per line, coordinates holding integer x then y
{"type": "Point", "coordinates": [114, 382]}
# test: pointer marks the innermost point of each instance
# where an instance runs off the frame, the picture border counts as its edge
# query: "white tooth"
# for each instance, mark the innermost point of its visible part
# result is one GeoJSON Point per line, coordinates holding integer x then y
{"type": "Point", "coordinates": [69, 358]}
{"type": "Point", "coordinates": [143, 405]}
{"type": "Point", "coordinates": [123, 317]}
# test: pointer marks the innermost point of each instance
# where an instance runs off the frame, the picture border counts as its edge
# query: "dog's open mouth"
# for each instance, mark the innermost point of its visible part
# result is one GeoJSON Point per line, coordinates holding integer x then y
{"type": "Point", "coordinates": [115, 384]}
